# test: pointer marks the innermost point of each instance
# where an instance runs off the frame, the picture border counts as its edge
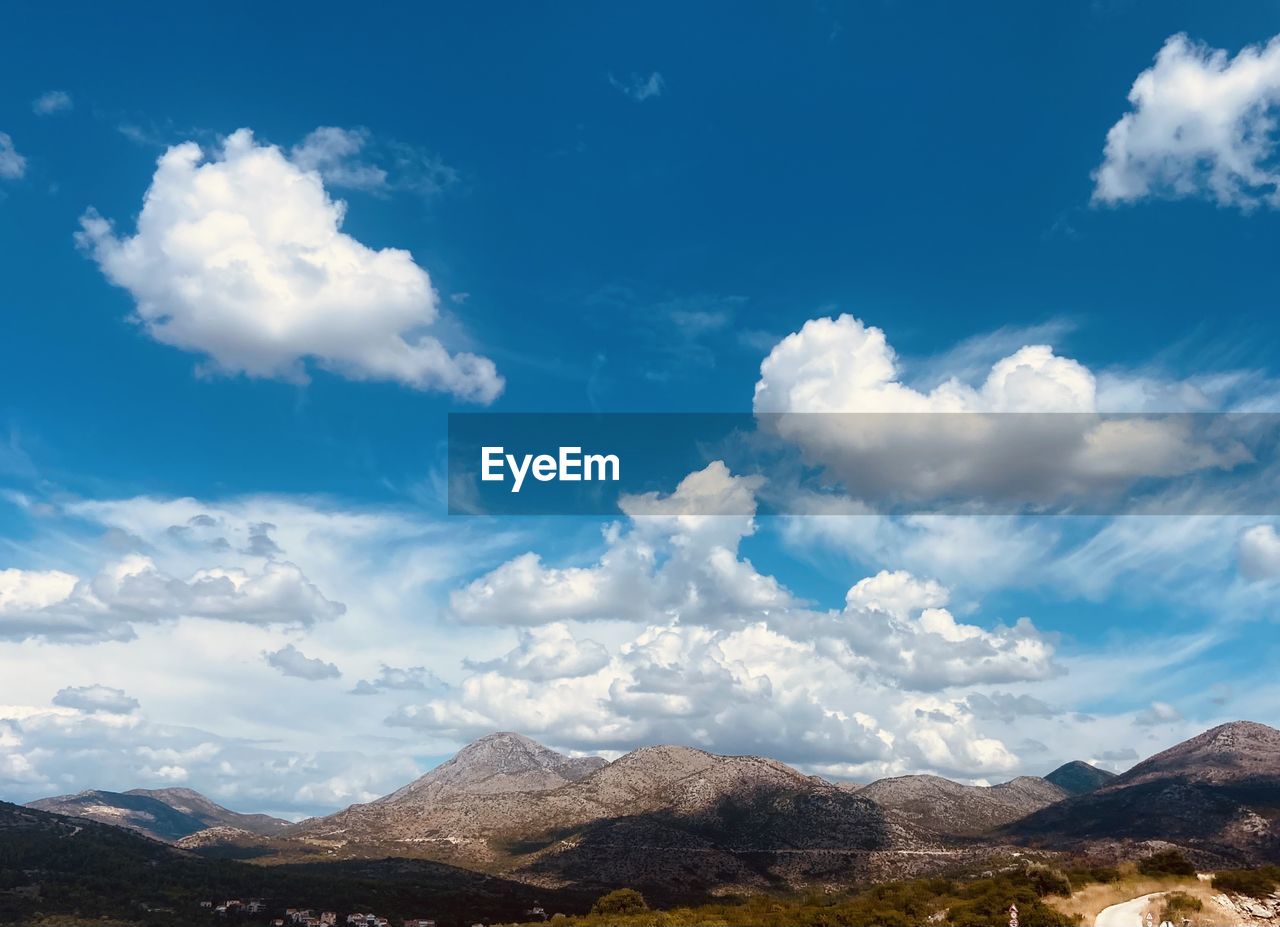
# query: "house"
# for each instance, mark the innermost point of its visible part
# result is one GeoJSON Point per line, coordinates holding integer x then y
{"type": "Point", "coordinates": [328, 918]}
{"type": "Point", "coordinates": [255, 906]}
{"type": "Point", "coordinates": [420, 922]}
{"type": "Point", "coordinates": [206, 904]}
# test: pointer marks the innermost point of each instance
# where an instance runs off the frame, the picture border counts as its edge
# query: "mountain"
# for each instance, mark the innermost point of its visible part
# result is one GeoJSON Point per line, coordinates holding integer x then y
{"type": "Point", "coordinates": [675, 821]}
{"type": "Point", "coordinates": [162, 814]}
{"type": "Point", "coordinates": [502, 762]}
{"type": "Point", "coordinates": [951, 809]}
{"type": "Point", "coordinates": [192, 803]}
{"type": "Point", "coordinates": [1079, 777]}
{"type": "Point", "coordinates": [679, 823]}
{"type": "Point", "coordinates": [1217, 793]}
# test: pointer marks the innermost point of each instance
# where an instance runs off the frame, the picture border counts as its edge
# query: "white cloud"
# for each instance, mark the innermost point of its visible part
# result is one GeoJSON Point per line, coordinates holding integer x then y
{"type": "Point", "coordinates": [1259, 552]}
{"type": "Point", "coordinates": [60, 750]}
{"type": "Point", "coordinates": [549, 652]}
{"type": "Point", "coordinates": [1157, 713]}
{"type": "Point", "coordinates": [96, 698]}
{"type": "Point", "coordinates": [722, 656]}
{"type": "Point", "coordinates": [12, 164]}
{"type": "Point", "coordinates": [50, 102]}
{"type": "Point", "coordinates": [354, 159]}
{"type": "Point", "coordinates": [667, 563]}
{"type": "Point", "coordinates": [397, 679]}
{"type": "Point", "coordinates": [333, 153]}
{"type": "Point", "coordinates": [1202, 124]}
{"type": "Point", "coordinates": [239, 255]}
{"type": "Point", "coordinates": [135, 590]}
{"type": "Point", "coordinates": [908, 445]}
{"type": "Point", "coordinates": [291, 661]}
{"type": "Point", "coordinates": [639, 87]}
{"type": "Point", "coordinates": [896, 593]}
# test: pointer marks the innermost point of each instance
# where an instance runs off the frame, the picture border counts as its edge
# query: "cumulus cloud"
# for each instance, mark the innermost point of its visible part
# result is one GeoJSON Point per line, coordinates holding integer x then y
{"type": "Point", "coordinates": [12, 164]}
{"type": "Point", "coordinates": [726, 657]}
{"type": "Point", "coordinates": [1202, 124]}
{"type": "Point", "coordinates": [398, 679]}
{"type": "Point", "coordinates": [291, 661]}
{"type": "Point", "coordinates": [1259, 552]}
{"type": "Point", "coordinates": [887, 441]}
{"type": "Point", "coordinates": [50, 102]}
{"type": "Point", "coordinates": [239, 255]}
{"type": "Point", "coordinates": [96, 698]}
{"type": "Point", "coordinates": [896, 593]}
{"type": "Point", "coordinates": [134, 590]}
{"type": "Point", "coordinates": [639, 87]}
{"type": "Point", "coordinates": [638, 577]}
{"type": "Point", "coordinates": [550, 652]}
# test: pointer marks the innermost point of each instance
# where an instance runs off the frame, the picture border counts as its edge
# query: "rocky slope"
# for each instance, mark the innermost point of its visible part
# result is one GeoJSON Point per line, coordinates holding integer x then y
{"type": "Point", "coordinates": [672, 819]}
{"type": "Point", "coordinates": [950, 809]}
{"type": "Point", "coordinates": [1079, 777]}
{"type": "Point", "coordinates": [1217, 794]}
{"type": "Point", "coordinates": [502, 762]}
{"type": "Point", "coordinates": [162, 814]}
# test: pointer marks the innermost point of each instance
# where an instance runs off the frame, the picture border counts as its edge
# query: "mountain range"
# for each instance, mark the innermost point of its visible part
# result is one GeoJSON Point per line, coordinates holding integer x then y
{"type": "Point", "coordinates": [162, 814]}
{"type": "Point", "coordinates": [680, 822]}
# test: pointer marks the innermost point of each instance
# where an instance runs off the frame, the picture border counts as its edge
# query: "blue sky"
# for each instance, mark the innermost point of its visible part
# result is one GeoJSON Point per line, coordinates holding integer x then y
{"type": "Point", "coordinates": [621, 210]}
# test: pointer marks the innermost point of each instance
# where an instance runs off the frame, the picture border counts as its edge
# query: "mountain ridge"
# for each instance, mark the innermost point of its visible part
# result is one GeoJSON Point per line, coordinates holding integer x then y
{"type": "Point", "coordinates": [162, 814]}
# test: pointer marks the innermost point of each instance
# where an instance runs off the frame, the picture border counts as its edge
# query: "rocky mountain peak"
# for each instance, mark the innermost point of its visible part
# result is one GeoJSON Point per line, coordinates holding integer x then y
{"type": "Point", "coordinates": [500, 762]}
{"type": "Point", "coordinates": [1236, 751]}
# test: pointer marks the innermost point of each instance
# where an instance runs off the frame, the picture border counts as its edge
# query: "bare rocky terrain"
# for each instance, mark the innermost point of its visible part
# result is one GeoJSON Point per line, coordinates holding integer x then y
{"type": "Point", "coordinates": [950, 809]}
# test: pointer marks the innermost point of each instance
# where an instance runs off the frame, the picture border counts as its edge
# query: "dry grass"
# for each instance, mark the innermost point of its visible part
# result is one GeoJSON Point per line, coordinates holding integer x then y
{"type": "Point", "coordinates": [1091, 899]}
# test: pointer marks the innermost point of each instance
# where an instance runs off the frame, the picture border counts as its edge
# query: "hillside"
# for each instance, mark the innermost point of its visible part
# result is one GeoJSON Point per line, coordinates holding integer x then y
{"type": "Point", "coordinates": [53, 865]}
{"type": "Point", "coordinates": [501, 762]}
{"type": "Point", "coordinates": [1218, 793]}
{"type": "Point", "coordinates": [951, 809]}
{"type": "Point", "coordinates": [1079, 777]}
{"type": "Point", "coordinates": [162, 814]}
{"type": "Point", "coordinates": [675, 820]}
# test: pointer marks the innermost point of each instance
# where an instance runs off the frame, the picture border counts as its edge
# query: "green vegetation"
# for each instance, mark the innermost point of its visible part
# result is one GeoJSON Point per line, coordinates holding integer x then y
{"type": "Point", "coordinates": [977, 903]}
{"type": "Point", "coordinates": [57, 875]}
{"type": "Point", "coordinates": [1105, 875]}
{"type": "Point", "coordinates": [1256, 883]}
{"type": "Point", "coordinates": [622, 901]}
{"type": "Point", "coordinates": [1166, 863]}
{"type": "Point", "coordinates": [1177, 905]}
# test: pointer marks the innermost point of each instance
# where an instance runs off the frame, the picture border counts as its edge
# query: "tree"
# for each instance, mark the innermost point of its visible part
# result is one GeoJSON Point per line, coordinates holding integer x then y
{"type": "Point", "coordinates": [620, 901]}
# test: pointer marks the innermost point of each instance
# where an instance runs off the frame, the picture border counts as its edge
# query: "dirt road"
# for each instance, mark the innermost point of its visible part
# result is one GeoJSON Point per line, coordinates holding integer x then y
{"type": "Point", "coordinates": [1125, 914]}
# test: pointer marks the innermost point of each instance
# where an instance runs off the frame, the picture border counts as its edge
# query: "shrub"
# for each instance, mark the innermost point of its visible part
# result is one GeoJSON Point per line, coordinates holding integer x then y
{"type": "Point", "coordinates": [1178, 905]}
{"type": "Point", "coordinates": [1047, 881]}
{"type": "Point", "coordinates": [1256, 883]}
{"type": "Point", "coordinates": [1165, 863]}
{"type": "Point", "coordinates": [620, 901]}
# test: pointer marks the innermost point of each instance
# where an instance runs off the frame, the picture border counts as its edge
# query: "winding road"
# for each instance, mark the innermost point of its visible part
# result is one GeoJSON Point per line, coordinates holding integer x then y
{"type": "Point", "coordinates": [1125, 914]}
